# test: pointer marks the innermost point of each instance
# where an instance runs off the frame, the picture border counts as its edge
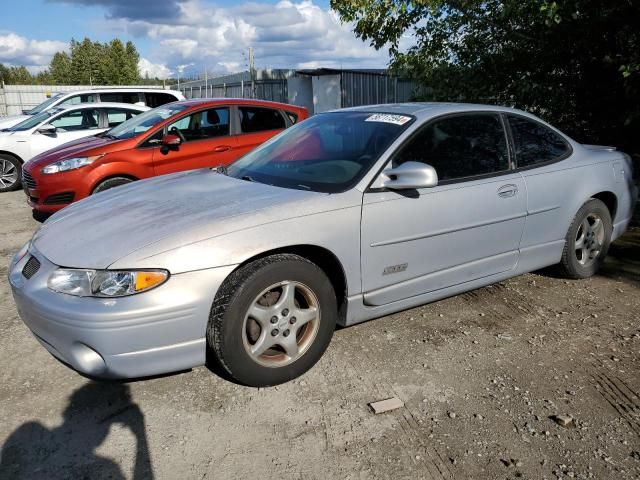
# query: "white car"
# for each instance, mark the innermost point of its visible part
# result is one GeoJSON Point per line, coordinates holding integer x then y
{"type": "Point", "coordinates": [52, 128]}
{"type": "Point", "coordinates": [138, 96]}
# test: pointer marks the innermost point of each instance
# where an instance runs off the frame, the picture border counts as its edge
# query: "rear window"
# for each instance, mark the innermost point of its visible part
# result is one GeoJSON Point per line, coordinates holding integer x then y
{"type": "Point", "coordinates": [258, 119]}
{"type": "Point", "coordinates": [536, 144]}
{"type": "Point", "coordinates": [155, 99]}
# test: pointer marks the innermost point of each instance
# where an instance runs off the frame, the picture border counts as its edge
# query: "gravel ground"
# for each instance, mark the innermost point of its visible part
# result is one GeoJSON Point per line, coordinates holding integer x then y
{"type": "Point", "coordinates": [481, 375]}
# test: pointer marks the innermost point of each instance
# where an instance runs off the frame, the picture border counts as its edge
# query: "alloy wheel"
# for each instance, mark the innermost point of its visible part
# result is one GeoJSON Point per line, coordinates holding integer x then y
{"type": "Point", "coordinates": [8, 173]}
{"type": "Point", "coordinates": [281, 324]}
{"type": "Point", "coordinates": [589, 239]}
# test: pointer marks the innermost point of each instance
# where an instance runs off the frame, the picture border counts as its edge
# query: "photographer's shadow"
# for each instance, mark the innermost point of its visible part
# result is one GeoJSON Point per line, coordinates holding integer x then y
{"type": "Point", "coordinates": [69, 451]}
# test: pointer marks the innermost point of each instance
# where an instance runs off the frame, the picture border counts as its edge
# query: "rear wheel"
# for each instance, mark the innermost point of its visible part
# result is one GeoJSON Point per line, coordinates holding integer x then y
{"type": "Point", "coordinates": [587, 241]}
{"type": "Point", "coordinates": [10, 171]}
{"type": "Point", "coordinates": [111, 183]}
{"type": "Point", "coordinates": [272, 320]}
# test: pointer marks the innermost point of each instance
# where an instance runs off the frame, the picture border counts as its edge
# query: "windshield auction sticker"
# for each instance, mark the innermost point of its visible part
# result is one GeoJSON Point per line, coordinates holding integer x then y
{"type": "Point", "coordinates": [388, 118]}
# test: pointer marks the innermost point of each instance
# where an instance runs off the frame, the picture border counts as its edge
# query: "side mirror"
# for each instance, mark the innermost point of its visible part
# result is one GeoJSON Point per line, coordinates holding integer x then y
{"type": "Point", "coordinates": [47, 130]}
{"type": "Point", "coordinates": [171, 140]}
{"type": "Point", "coordinates": [409, 176]}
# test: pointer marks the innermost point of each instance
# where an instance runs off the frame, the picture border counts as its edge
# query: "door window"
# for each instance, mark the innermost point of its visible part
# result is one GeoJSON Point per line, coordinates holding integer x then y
{"type": "Point", "coordinates": [203, 124]}
{"type": "Point", "coordinates": [115, 116]}
{"type": "Point", "coordinates": [77, 99]}
{"type": "Point", "coordinates": [86, 119]}
{"type": "Point", "coordinates": [534, 143]}
{"type": "Point", "coordinates": [459, 146]}
{"type": "Point", "coordinates": [257, 119]}
{"type": "Point", "coordinates": [120, 97]}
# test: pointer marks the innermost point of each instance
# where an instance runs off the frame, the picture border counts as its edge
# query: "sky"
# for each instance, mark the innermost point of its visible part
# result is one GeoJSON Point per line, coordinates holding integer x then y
{"type": "Point", "coordinates": [188, 36]}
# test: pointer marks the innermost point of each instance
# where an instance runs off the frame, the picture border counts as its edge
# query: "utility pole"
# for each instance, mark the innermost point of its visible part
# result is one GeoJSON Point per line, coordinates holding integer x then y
{"type": "Point", "coordinates": [206, 83]}
{"type": "Point", "coordinates": [252, 72]}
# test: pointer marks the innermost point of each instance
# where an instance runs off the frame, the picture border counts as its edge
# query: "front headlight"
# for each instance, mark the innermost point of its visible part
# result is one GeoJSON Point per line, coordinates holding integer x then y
{"type": "Point", "coordinates": [105, 283]}
{"type": "Point", "coordinates": [70, 164]}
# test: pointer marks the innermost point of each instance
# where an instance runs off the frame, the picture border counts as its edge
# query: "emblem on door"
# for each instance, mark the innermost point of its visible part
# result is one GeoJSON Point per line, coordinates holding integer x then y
{"type": "Point", "coordinates": [395, 269]}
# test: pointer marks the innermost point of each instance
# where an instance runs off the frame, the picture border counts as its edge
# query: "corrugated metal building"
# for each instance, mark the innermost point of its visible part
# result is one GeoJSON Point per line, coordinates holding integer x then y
{"type": "Point", "coordinates": [318, 89]}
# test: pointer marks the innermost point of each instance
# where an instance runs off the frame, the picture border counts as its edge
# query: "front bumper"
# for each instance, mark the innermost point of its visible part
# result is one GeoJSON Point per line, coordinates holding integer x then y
{"type": "Point", "coordinates": [50, 193]}
{"type": "Point", "coordinates": [155, 332]}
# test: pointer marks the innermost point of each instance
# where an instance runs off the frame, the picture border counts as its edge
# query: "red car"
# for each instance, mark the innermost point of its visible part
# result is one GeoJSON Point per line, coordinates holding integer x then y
{"type": "Point", "coordinates": [174, 137]}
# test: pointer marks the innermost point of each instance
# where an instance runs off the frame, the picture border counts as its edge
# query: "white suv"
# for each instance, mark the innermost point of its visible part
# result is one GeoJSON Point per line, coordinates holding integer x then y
{"type": "Point", "coordinates": [139, 96]}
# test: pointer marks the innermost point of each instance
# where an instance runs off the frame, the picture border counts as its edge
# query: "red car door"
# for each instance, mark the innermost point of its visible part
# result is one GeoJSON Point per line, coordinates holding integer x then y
{"type": "Point", "coordinates": [206, 141]}
{"type": "Point", "coordinates": [257, 125]}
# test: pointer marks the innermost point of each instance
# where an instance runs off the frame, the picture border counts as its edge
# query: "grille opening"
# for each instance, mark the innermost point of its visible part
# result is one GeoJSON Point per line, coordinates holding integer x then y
{"type": "Point", "coordinates": [31, 267]}
{"type": "Point", "coordinates": [59, 198]}
{"type": "Point", "coordinates": [28, 180]}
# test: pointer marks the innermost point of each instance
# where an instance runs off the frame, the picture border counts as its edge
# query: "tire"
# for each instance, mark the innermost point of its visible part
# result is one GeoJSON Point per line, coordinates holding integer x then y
{"type": "Point", "coordinates": [10, 173]}
{"type": "Point", "coordinates": [111, 183]}
{"type": "Point", "coordinates": [586, 245]}
{"type": "Point", "coordinates": [233, 332]}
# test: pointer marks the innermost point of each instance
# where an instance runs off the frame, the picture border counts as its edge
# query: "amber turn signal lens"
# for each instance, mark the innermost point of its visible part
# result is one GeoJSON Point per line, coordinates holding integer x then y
{"type": "Point", "coordinates": [146, 280]}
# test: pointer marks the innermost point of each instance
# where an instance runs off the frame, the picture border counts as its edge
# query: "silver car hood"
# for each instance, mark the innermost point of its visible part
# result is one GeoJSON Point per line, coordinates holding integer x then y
{"type": "Point", "coordinates": [176, 209]}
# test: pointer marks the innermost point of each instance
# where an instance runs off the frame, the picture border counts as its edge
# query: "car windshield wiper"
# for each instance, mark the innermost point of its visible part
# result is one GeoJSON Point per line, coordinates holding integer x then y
{"type": "Point", "coordinates": [221, 169]}
{"type": "Point", "coordinates": [247, 178]}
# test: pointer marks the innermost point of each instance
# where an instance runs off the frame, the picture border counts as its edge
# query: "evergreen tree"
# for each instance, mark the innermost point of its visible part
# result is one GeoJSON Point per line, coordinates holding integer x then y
{"type": "Point", "coordinates": [60, 69]}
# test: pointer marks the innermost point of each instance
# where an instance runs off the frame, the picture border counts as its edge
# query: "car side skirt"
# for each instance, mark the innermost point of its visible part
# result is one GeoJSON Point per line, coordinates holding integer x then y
{"type": "Point", "coordinates": [531, 259]}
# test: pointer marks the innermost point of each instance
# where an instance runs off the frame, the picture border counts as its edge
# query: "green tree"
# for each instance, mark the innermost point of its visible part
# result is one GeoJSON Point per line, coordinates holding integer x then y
{"type": "Point", "coordinates": [577, 64]}
{"type": "Point", "coordinates": [60, 68]}
{"type": "Point", "coordinates": [132, 74]}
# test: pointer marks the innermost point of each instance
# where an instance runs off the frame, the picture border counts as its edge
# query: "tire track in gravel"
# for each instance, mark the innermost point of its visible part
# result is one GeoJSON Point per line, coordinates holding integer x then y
{"type": "Point", "coordinates": [617, 393]}
{"type": "Point", "coordinates": [413, 436]}
{"type": "Point", "coordinates": [505, 310]}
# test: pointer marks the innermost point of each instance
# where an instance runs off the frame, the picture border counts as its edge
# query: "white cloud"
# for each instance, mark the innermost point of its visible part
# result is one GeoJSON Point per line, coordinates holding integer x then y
{"type": "Point", "coordinates": [154, 70]}
{"type": "Point", "coordinates": [289, 34]}
{"type": "Point", "coordinates": [34, 54]}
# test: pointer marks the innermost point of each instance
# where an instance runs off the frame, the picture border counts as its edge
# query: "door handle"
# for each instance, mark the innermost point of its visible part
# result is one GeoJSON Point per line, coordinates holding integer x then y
{"type": "Point", "coordinates": [222, 148]}
{"type": "Point", "coordinates": [507, 191]}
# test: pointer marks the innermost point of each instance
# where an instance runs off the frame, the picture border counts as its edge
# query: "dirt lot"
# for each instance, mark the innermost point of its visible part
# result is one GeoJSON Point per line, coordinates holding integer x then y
{"type": "Point", "coordinates": [480, 376]}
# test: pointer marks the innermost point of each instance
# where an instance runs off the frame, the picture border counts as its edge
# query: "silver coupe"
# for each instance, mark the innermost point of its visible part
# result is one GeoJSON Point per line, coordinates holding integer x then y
{"type": "Point", "coordinates": [347, 216]}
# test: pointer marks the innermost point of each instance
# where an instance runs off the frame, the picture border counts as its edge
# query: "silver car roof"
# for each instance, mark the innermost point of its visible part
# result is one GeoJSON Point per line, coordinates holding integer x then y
{"type": "Point", "coordinates": [423, 110]}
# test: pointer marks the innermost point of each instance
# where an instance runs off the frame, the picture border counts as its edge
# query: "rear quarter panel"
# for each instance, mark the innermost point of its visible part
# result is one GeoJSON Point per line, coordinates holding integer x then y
{"type": "Point", "coordinates": [556, 192]}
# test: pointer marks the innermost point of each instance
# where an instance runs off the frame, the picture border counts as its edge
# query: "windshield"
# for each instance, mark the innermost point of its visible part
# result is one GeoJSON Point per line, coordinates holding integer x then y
{"type": "Point", "coordinates": [143, 122]}
{"type": "Point", "coordinates": [35, 120]}
{"type": "Point", "coordinates": [327, 153]}
{"type": "Point", "coordinates": [44, 105]}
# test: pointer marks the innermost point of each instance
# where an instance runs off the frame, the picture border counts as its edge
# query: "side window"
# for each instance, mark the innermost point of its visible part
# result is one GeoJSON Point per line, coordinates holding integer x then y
{"type": "Point", "coordinates": [257, 119]}
{"type": "Point", "coordinates": [120, 97]}
{"type": "Point", "coordinates": [86, 119]}
{"type": "Point", "coordinates": [155, 99]}
{"type": "Point", "coordinates": [203, 125]}
{"type": "Point", "coordinates": [459, 146]}
{"type": "Point", "coordinates": [293, 117]}
{"type": "Point", "coordinates": [115, 116]}
{"type": "Point", "coordinates": [76, 99]}
{"type": "Point", "coordinates": [534, 143]}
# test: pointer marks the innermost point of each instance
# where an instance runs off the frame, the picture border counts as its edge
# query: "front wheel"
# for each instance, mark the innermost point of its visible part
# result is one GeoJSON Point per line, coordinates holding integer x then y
{"type": "Point", "coordinates": [111, 183]}
{"type": "Point", "coordinates": [272, 320]}
{"type": "Point", "coordinates": [10, 171]}
{"type": "Point", "coordinates": [587, 241]}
